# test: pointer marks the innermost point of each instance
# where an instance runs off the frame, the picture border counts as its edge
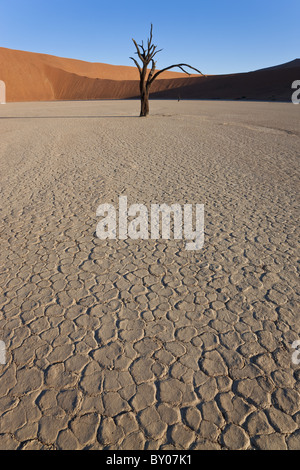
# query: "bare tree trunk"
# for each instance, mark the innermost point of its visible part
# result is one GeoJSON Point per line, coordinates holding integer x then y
{"type": "Point", "coordinates": [144, 103]}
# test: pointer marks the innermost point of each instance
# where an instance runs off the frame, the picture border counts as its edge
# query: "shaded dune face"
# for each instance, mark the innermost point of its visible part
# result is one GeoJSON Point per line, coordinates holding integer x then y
{"type": "Point", "coordinates": [39, 77]}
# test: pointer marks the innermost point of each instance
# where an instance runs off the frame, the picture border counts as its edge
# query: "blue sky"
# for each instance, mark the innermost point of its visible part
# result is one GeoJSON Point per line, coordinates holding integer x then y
{"type": "Point", "coordinates": [216, 36]}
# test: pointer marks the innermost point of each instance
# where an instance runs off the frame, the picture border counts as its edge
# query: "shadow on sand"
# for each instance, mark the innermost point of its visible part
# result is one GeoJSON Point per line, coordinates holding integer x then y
{"type": "Point", "coordinates": [67, 117]}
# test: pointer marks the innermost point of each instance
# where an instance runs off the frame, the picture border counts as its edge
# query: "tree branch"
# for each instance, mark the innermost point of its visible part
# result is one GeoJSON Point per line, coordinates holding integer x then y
{"type": "Point", "coordinates": [137, 64]}
{"type": "Point", "coordinates": [151, 74]}
{"type": "Point", "coordinates": [138, 51]}
{"type": "Point", "coordinates": [156, 53]}
{"type": "Point", "coordinates": [172, 67]}
{"type": "Point", "coordinates": [144, 51]}
{"type": "Point", "coordinates": [150, 39]}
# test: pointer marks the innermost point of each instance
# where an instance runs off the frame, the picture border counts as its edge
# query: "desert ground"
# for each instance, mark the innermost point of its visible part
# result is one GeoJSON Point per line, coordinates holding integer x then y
{"type": "Point", "coordinates": [141, 344]}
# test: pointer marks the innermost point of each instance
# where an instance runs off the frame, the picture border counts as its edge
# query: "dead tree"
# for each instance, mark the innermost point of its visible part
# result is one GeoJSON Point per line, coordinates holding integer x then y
{"type": "Point", "coordinates": [146, 55]}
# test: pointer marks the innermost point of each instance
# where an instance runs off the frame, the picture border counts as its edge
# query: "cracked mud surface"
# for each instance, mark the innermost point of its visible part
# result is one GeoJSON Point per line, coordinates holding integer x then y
{"type": "Point", "coordinates": [141, 344]}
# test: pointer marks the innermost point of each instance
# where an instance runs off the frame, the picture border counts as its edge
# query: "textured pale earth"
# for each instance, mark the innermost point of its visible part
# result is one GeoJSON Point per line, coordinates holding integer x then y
{"type": "Point", "coordinates": [141, 344]}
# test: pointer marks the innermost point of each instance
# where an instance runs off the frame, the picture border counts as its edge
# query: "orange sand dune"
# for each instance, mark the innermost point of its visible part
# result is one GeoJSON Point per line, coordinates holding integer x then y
{"type": "Point", "coordinates": [34, 77]}
{"type": "Point", "coordinates": [31, 76]}
{"type": "Point", "coordinates": [70, 86]}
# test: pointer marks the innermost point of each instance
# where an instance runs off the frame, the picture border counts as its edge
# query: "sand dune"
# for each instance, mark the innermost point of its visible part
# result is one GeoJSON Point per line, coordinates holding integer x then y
{"type": "Point", "coordinates": [265, 85]}
{"type": "Point", "coordinates": [39, 77]}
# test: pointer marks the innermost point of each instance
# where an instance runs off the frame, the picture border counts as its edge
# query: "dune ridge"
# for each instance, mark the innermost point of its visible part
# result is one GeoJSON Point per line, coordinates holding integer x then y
{"type": "Point", "coordinates": [33, 76]}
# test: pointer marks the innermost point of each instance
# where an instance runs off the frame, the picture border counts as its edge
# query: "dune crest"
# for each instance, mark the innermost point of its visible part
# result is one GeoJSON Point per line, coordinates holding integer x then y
{"type": "Point", "coordinates": [32, 76]}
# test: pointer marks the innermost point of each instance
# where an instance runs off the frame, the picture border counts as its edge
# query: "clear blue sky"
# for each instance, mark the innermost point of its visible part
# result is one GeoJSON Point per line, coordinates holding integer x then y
{"type": "Point", "coordinates": [216, 36]}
